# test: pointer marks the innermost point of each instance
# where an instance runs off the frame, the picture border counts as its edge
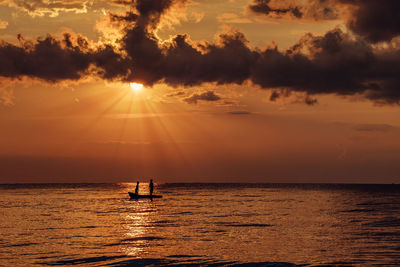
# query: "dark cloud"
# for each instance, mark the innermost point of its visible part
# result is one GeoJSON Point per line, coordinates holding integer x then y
{"type": "Point", "coordinates": [229, 61]}
{"type": "Point", "coordinates": [150, 11]}
{"type": "Point", "coordinates": [283, 93]}
{"type": "Point", "coordinates": [205, 96]}
{"type": "Point", "coordinates": [178, 93]}
{"type": "Point", "coordinates": [53, 60]}
{"type": "Point", "coordinates": [311, 9]}
{"type": "Point", "coordinates": [310, 101]}
{"type": "Point", "coordinates": [374, 20]}
{"type": "Point", "coordinates": [240, 112]}
{"type": "Point", "coordinates": [179, 62]}
{"type": "Point", "coordinates": [276, 94]}
{"type": "Point", "coordinates": [126, 18]}
{"type": "Point", "coordinates": [337, 64]}
{"type": "Point", "coordinates": [264, 7]}
{"type": "Point", "coordinates": [139, 41]}
{"type": "Point", "coordinates": [47, 59]}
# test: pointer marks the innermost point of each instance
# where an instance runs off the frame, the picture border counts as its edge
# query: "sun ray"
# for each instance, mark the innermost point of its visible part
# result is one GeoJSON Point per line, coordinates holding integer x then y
{"type": "Point", "coordinates": [84, 133]}
{"type": "Point", "coordinates": [123, 128]}
{"type": "Point", "coordinates": [153, 108]}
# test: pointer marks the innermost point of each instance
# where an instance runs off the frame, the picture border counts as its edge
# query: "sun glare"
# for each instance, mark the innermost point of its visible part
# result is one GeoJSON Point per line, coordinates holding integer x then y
{"type": "Point", "coordinates": [136, 87]}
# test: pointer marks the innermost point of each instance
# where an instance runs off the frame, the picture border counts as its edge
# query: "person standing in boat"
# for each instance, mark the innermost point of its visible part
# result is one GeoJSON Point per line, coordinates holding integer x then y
{"type": "Point", "coordinates": [151, 187]}
{"type": "Point", "coordinates": [137, 188]}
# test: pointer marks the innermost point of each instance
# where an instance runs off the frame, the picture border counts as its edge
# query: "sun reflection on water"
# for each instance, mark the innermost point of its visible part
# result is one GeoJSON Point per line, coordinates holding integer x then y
{"type": "Point", "coordinates": [138, 220]}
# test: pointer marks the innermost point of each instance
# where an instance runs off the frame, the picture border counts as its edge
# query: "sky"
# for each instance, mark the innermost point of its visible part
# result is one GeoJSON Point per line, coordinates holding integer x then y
{"type": "Point", "coordinates": [233, 91]}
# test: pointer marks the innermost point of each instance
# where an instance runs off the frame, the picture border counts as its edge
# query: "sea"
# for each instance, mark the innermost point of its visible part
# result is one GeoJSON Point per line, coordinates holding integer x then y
{"type": "Point", "coordinates": [200, 225]}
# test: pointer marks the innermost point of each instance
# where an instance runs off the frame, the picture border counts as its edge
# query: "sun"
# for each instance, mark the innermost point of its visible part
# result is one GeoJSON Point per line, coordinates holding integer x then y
{"type": "Point", "coordinates": [136, 87]}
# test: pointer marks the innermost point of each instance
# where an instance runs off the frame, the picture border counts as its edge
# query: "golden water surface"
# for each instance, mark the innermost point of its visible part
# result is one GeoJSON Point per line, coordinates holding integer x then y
{"type": "Point", "coordinates": [97, 224]}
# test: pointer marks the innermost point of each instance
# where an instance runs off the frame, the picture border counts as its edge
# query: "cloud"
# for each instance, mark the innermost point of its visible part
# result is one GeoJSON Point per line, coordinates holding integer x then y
{"type": "Point", "coordinates": [150, 11]}
{"type": "Point", "coordinates": [47, 8]}
{"type": "Point", "coordinates": [296, 9]}
{"type": "Point", "coordinates": [40, 8]}
{"type": "Point", "coordinates": [240, 112]}
{"type": "Point", "coordinates": [228, 61]}
{"type": "Point", "coordinates": [331, 64]}
{"type": "Point", "coordinates": [310, 101]}
{"type": "Point", "coordinates": [298, 98]}
{"type": "Point", "coordinates": [264, 7]}
{"type": "Point", "coordinates": [53, 60]}
{"type": "Point", "coordinates": [205, 96]}
{"type": "Point", "coordinates": [374, 20]}
{"type": "Point", "coordinates": [177, 93]}
{"type": "Point", "coordinates": [335, 63]}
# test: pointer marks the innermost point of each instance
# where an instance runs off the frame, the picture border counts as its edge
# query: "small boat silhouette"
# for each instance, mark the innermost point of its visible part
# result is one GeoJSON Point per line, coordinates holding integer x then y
{"type": "Point", "coordinates": [136, 196]}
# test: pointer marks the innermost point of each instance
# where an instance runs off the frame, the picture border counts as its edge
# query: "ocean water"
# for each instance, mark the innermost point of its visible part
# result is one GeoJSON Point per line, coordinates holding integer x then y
{"type": "Point", "coordinates": [200, 224]}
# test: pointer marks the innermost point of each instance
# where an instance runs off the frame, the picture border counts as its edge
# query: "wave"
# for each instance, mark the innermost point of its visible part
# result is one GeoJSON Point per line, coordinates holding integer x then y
{"type": "Point", "coordinates": [128, 241]}
{"type": "Point", "coordinates": [229, 224]}
{"type": "Point", "coordinates": [198, 262]}
{"type": "Point", "coordinates": [81, 260]}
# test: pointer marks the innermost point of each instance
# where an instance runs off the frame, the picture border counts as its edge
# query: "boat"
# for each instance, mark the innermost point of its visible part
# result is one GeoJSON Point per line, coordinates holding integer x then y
{"type": "Point", "coordinates": [136, 196]}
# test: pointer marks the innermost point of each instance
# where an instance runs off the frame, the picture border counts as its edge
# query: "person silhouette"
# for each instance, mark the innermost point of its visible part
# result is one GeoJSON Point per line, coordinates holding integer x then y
{"type": "Point", "coordinates": [137, 188]}
{"type": "Point", "coordinates": [151, 187]}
